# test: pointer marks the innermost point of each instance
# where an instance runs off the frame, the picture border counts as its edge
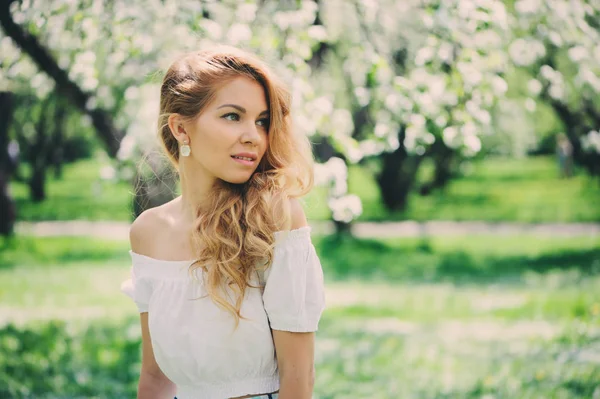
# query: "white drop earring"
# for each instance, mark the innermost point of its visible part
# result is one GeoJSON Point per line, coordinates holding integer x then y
{"type": "Point", "coordinates": [185, 149]}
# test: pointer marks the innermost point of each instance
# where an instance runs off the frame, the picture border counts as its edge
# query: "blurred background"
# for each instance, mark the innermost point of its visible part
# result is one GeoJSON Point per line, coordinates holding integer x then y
{"type": "Point", "coordinates": [457, 212]}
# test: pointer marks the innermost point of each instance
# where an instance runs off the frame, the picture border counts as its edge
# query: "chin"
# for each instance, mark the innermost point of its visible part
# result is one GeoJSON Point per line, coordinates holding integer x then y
{"type": "Point", "coordinates": [237, 179]}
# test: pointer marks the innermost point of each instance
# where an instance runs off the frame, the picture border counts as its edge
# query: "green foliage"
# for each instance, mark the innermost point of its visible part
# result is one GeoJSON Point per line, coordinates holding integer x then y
{"type": "Point", "coordinates": [448, 317]}
{"type": "Point", "coordinates": [356, 358]}
{"type": "Point", "coordinates": [52, 360]}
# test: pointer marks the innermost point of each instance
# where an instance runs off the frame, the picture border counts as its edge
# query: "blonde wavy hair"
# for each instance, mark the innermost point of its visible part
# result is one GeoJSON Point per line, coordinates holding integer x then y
{"type": "Point", "coordinates": [234, 233]}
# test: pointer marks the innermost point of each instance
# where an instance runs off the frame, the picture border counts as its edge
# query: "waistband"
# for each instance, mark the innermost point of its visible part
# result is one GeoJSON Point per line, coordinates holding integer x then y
{"type": "Point", "coordinates": [267, 396]}
{"type": "Point", "coordinates": [230, 389]}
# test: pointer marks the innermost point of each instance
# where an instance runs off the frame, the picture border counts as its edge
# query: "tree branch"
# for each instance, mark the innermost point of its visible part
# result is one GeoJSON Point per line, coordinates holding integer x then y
{"type": "Point", "coordinates": [30, 45]}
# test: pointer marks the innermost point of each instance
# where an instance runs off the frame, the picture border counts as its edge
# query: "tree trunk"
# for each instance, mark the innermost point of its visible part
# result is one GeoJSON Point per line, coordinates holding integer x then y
{"type": "Point", "coordinates": [342, 228]}
{"type": "Point", "coordinates": [443, 158]}
{"type": "Point", "coordinates": [578, 124]}
{"type": "Point", "coordinates": [443, 170]}
{"type": "Point", "coordinates": [37, 183]}
{"type": "Point", "coordinates": [39, 154]}
{"type": "Point", "coordinates": [322, 149]}
{"type": "Point", "coordinates": [7, 207]}
{"type": "Point", "coordinates": [58, 138]}
{"type": "Point", "coordinates": [397, 177]}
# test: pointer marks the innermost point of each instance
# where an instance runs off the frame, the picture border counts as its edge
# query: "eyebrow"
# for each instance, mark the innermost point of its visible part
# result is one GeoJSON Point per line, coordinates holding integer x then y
{"type": "Point", "coordinates": [240, 108]}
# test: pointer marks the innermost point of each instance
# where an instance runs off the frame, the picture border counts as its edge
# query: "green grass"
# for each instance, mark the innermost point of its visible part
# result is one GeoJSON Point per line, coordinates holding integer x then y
{"type": "Point", "coordinates": [458, 260]}
{"type": "Point", "coordinates": [20, 251]}
{"type": "Point", "coordinates": [508, 317]}
{"type": "Point", "coordinates": [79, 194]}
{"type": "Point", "coordinates": [495, 189]}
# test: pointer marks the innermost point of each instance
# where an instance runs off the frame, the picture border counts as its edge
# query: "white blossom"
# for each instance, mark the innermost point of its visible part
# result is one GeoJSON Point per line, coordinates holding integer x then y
{"type": "Point", "coordinates": [321, 174]}
{"type": "Point", "coordinates": [212, 28]}
{"type": "Point", "coordinates": [578, 53]}
{"type": "Point", "coordinates": [450, 137]}
{"type": "Point", "coordinates": [246, 12]}
{"type": "Point", "coordinates": [557, 91]}
{"type": "Point", "coordinates": [528, 6]}
{"type": "Point", "coordinates": [499, 85]}
{"type": "Point", "coordinates": [346, 208]}
{"type": "Point", "coordinates": [424, 55]}
{"type": "Point", "coordinates": [591, 142]}
{"type": "Point", "coordinates": [530, 105]}
{"type": "Point", "coordinates": [473, 145]}
{"type": "Point", "coordinates": [525, 52]}
{"type": "Point", "coordinates": [371, 147]}
{"type": "Point", "coordinates": [362, 96]}
{"type": "Point", "coordinates": [534, 87]}
{"type": "Point", "coordinates": [393, 142]}
{"type": "Point", "coordinates": [317, 32]}
{"type": "Point", "coordinates": [587, 76]}
{"type": "Point", "coordinates": [342, 121]}
{"type": "Point", "coordinates": [445, 52]}
{"type": "Point", "coordinates": [107, 173]}
{"type": "Point", "coordinates": [239, 33]}
{"type": "Point", "coordinates": [127, 147]}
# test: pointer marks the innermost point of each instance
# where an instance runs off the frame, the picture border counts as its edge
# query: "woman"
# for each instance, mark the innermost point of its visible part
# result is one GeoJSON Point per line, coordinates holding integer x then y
{"type": "Point", "coordinates": [227, 282]}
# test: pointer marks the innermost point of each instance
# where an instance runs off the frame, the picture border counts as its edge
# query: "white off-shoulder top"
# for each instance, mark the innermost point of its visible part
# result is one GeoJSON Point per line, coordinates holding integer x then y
{"type": "Point", "coordinates": [195, 342]}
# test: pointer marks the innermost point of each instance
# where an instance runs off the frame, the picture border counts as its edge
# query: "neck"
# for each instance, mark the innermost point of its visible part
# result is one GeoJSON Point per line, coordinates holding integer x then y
{"type": "Point", "coordinates": [196, 186]}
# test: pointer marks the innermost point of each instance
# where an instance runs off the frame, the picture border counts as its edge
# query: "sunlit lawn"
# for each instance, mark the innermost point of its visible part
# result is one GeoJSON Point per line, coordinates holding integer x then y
{"type": "Point", "coordinates": [525, 190]}
{"type": "Point", "coordinates": [512, 317]}
{"type": "Point", "coordinates": [79, 194]}
{"type": "Point", "coordinates": [494, 189]}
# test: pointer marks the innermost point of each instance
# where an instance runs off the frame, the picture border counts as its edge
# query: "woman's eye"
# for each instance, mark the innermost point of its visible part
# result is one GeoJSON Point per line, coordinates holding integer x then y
{"type": "Point", "coordinates": [263, 122]}
{"type": "Point", "coordinates": [231, 117]}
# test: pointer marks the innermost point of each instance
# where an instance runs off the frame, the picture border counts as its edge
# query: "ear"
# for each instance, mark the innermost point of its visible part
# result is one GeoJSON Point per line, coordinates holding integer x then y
{"type": "Point", "coordinates": [178, 128]}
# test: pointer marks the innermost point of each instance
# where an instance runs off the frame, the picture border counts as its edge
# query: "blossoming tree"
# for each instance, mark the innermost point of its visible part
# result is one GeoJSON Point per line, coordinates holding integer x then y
{"type": "Point", "coordinates": [379, 82]}
{"type": "Point", "coordinates": [558, 43]}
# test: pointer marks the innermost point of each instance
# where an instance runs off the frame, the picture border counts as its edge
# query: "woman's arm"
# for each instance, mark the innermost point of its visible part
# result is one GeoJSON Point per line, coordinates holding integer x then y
{"type": "Point", "coordinates": [295, 351]}
{"type": "Point", "coordinates": [295, 360]}
{"type": "Point", "coordinates": [153, 384]}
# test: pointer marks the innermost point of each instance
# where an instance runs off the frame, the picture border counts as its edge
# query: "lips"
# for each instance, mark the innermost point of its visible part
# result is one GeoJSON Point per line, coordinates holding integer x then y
{"type": "Point", "coordinates": [242, 158]}
{"type": "Point", "coordinates": [245, 158]}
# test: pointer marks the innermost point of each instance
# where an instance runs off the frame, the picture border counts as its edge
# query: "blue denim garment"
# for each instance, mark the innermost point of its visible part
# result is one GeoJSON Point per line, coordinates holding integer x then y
{"type": "Point", "coordinates": [267, 396]}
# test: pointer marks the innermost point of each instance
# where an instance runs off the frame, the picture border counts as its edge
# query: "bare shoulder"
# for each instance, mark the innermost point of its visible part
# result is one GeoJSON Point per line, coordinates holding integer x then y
{"type": "Point", "coordinates": [297, 215]}
{"type": "Point", "coordinates": [143, 230]}
{"type": "Point", "coordinates": [293, 207]}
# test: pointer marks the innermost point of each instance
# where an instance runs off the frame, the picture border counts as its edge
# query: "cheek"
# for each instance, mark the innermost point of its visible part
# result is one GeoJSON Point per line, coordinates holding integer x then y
{"type": "Point", "coordinates": [265, 141]}
{"type": "Point", "coordinates": [262, 151]}
{"type": "Point", "coordinates": [210, 140]}
{"type": "Point", "coordinates": [209, 153]}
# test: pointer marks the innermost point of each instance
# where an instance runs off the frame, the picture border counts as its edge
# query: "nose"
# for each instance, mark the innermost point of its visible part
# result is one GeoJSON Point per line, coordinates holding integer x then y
{"type": "Point", "coordinates": [251, 135]}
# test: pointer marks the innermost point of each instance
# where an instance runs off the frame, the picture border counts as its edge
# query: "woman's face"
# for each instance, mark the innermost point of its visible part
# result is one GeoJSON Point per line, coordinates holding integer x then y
{"type": "Point", "coordinates": [229, 137]}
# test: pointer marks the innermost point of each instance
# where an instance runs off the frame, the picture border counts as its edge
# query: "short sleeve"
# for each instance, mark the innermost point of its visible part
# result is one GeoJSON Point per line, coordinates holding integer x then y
{"type": "Point", "coordinates": [138, 287]}
{"type": "Point", "coordinates": [294, 294]}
